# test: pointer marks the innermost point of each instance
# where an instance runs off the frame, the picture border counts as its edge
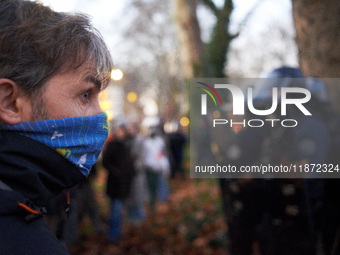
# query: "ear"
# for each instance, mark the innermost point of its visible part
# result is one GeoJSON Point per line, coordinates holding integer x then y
{"type": "Point", "coordinates": [11, 102]}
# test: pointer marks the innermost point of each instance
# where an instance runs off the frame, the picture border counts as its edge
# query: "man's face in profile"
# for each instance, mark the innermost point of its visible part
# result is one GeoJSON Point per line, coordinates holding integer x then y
{"type": "Point", "coordinates": [70, 94]}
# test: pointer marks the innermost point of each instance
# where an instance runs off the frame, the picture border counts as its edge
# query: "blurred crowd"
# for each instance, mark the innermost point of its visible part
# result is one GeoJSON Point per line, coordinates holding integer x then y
{"type": "Point", "coordinates": [285, 214]}
{"type": "Point", "coordinates": [139, 161]}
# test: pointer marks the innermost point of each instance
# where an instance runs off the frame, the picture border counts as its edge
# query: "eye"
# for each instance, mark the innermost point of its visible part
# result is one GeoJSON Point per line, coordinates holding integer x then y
{"type": "Point", "coordinates": [85, 95]}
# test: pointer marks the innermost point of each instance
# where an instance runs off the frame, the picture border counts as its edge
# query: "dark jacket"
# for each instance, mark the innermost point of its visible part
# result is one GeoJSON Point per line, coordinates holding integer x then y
{"type": "Point", "coordinates": [30, 175]}
{"type": "Point", "coordinates": [117, 160]}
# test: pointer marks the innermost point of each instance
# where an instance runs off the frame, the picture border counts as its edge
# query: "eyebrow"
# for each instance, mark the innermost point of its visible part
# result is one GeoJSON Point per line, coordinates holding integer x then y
{"type": "Point", "coordinates": [95, 81]}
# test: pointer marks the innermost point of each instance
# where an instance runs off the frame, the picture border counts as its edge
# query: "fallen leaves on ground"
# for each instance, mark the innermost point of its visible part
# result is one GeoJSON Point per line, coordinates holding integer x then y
{"type": "Point", "coordinates": [190, 223]}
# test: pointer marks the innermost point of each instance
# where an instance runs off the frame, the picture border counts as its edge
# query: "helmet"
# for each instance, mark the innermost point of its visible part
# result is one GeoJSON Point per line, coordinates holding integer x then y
{"type": "Point", "coordinates": [283, 72]}
{"type": "Point", "coordinates": [317, 89]}
{"type": "Point", "coordinates": [280, 77]}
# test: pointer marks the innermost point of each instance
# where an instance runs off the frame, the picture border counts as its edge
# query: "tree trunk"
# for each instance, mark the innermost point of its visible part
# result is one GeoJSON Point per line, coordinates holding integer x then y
{"type": "Point", "coordinates": [218, 47]}
{"type": "Point", "coordinates": [317, 24]}
{"type": "Point", "coordinates": [189, 35]}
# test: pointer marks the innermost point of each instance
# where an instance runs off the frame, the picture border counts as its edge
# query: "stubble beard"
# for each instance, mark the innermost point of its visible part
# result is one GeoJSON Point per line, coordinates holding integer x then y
{"type": "Point", "coordinates": [39, 111]}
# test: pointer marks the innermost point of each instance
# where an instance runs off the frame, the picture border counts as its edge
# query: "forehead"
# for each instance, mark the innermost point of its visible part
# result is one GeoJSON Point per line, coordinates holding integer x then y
{"type": "Point", "coordinates": [68, 83]}
{"type": "Point", "coordinates": [85, 64]}
{"type": "Point", "coordinates": [86, 72]}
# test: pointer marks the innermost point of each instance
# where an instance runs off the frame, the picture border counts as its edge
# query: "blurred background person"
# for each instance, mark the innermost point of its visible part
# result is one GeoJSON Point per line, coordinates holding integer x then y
{"type": "Point", "coordinates": [117, 160]}
{"type": "Point", "coordinates": [176, 142]}
{"type": "Point", "coordinates": [156, 164]}
{"type": "Point", "coordinates": [138, 194]}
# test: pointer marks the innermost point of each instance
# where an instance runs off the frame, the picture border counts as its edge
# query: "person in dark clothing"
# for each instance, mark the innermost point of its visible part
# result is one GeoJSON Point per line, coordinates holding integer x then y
{"type": "Point", "coordinates": [279, 214]}
{"type": "Point", "coordinates": [30, 176]}
{"type": "Point", "coordinates": [176, 141]}
{"type": "Point", "coordinates": [117, 160]}
{"type": "Point", "coordinates": [52, 68]}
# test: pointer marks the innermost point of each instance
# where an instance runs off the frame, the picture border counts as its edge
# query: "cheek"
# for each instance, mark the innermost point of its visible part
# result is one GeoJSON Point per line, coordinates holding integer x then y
{"type": "Point", "coordinates": [62, 106]}
{"type": "Point", "coordinates": [26, 109]}
{"type": "Point", "coordinates": [59, 101]}
{"type": "Point", "coordinates": [73, 107]}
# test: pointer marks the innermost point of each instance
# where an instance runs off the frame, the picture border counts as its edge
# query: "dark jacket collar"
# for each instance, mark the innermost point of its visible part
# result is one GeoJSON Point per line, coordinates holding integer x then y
{"type": "Point", "coordinates": [32, 169]}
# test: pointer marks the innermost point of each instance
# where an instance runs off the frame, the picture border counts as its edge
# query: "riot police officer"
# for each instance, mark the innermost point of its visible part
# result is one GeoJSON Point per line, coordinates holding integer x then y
{"type": "Point", "coordinates": [281, 214]}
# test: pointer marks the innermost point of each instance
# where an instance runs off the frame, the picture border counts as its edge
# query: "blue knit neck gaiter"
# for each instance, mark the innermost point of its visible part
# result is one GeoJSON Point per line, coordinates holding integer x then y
{"type": "Point", "coordinates": [79, 139]}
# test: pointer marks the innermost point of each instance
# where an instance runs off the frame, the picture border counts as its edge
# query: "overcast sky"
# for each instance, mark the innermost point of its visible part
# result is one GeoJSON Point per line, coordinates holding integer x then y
{"type": "Point", "coordinates": [108, 14]}
{"type": "Point", "coordinates": [105, 12]}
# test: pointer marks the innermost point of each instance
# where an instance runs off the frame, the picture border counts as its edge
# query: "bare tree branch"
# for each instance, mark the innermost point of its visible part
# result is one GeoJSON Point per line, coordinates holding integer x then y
{"type": "Point", "coordinates": [211, 5]}
{"type": "Point", "coordinates": [234, 35]}
{"type": "Point", "coordinates": [228, 6]}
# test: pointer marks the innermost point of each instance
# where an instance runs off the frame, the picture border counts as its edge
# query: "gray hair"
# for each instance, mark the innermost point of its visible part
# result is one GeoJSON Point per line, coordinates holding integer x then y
{"type": "Point", "coordinates": [37, 43]}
